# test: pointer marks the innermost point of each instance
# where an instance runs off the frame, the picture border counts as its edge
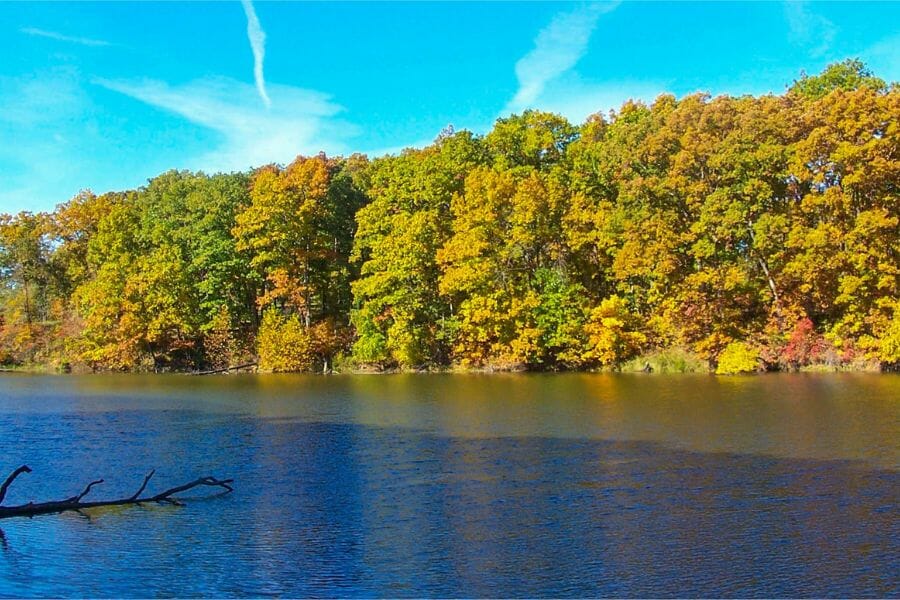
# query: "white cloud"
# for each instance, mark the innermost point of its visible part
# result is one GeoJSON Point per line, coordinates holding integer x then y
{"type": "Point", "coordinates": [557, 48]}
{"type": "Point", "coordinates": [41, 98]}
{"type": "Point", "coordinates": [576, 100]}
{"type": "Point", "coordinates": [258, 44]}
{"type": "Point", "coordinates": [299, 121]}
{"type": "Point", "coordinates": [62, 37]}
{"type": "Point", "coordinates": [36, 159]}
{"type": "Point", "coordinates": [809, 29]}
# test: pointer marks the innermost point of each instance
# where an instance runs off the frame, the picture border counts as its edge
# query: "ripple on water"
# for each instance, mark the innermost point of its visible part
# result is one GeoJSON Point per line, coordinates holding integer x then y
{"type": "Point", "coordinates": [567, 486]}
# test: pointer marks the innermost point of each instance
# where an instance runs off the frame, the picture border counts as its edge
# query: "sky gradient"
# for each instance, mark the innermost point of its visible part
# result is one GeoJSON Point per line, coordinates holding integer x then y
{"type": "Point", "coordinates": [107, 95]}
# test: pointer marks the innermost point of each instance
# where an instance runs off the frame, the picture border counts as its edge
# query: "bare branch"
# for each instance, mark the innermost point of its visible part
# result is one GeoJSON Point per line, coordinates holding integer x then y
{"type": "Point", "coordinates": [75, 502]}
{"type": "Point", "coordinates": [143, 485]}
{"type": "Point", "coordinates": [225, 369]}
{"type": "Point", "coordinates": [10, 479]}
{"type": "Point", "coordinates": [88, 489]}
{"type": "Point", "coordinates": [210, 481]}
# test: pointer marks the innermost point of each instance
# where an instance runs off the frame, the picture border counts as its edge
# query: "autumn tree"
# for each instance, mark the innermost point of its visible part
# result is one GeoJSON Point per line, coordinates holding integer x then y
{"type": "Point", "coordinates": [25, 284]}
{"type": "Point", "coordinates": [399, 316]}
{"type": "Point", "coordinates": [297, 230]}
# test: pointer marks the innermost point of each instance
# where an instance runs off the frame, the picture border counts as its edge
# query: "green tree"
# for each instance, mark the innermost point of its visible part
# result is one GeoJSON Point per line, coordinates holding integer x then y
{"type": "Point", "coordinates": [399, 316]}
{"type": "Point", "coordinates": [850, 74]}
{"type": "Point", "coordinates": [25, 284]}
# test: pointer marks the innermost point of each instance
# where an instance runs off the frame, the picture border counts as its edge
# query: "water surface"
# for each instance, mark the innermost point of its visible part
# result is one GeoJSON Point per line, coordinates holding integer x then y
{"type": "Point", "coordinates": [459, 485]}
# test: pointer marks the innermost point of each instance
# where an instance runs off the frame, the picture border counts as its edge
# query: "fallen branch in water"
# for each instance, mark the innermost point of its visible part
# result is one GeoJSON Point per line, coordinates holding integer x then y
{"type": "Point", "coordinates": [75, 502]}
{"type": "Point", "coordinates": [225, 369]}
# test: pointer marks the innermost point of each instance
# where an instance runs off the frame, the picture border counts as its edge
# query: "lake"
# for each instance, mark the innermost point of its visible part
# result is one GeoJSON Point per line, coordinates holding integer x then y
{"type": "Point", "coordinates": [458, 485]}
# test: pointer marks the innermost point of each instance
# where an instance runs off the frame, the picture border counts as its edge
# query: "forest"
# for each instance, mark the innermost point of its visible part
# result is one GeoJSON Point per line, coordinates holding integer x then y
{"type": "Point", "coordinates": [720, 233]}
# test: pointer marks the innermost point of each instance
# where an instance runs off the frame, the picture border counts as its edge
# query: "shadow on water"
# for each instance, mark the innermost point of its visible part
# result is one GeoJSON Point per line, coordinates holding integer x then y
{"type": "Point", "coordinates": [350, 509]}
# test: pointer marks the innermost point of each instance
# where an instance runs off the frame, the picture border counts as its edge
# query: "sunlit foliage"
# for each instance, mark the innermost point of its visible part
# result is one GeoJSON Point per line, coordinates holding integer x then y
{"type": "Point", "coordinates": [738, 357]}
{"type": "Point", "coordinates": [748, 233]}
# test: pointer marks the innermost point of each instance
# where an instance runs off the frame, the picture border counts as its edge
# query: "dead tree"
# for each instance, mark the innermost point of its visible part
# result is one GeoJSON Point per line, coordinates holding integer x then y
{"type": "Point", "coordinates": [76, 502]}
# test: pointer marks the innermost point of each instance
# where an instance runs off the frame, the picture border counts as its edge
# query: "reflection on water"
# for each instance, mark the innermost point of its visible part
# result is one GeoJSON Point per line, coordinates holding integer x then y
{"type": "Point", "coordinates": [561, 485]}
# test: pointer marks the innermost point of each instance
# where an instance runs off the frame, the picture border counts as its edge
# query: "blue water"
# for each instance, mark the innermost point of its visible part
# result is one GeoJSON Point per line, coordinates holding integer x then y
{"type": "Point", "coordinates": [554, 485]}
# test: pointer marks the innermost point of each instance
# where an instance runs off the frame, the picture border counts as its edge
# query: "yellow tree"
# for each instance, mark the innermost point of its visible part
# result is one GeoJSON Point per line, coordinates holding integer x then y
{"type": "Point", "coordinates": [844, 246]}
{"type": "Point", "coordinates": [503, 271]}
{"type": "Point", "coordinates": [280, 229]}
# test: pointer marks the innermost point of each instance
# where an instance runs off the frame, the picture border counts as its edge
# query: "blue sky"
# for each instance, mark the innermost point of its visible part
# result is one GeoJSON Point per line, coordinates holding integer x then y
{"type": "Point", "coordinates": [107, 95]}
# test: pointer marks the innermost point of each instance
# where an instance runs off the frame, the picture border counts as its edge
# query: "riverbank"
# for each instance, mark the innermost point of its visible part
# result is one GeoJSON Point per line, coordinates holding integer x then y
{"type": "Point", "coordinates": [667, 362]}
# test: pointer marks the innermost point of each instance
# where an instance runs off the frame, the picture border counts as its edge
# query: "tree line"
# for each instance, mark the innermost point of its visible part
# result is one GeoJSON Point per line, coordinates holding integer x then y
{"type": "Point", "coordinates": [749, 232]}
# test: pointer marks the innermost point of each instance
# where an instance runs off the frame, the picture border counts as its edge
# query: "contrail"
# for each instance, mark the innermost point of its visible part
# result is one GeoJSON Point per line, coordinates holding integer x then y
{"type": "Point", "coordinates": [258, 44]}
{"type": "Point", "coordinates": [63, 38]}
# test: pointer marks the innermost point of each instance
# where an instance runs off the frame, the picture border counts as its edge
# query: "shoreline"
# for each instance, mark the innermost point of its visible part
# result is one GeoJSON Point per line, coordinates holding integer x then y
{"type": "Point", "coordinates": [811, 369]}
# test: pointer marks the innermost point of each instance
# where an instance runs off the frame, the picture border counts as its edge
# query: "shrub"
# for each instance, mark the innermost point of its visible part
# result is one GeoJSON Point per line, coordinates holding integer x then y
{"type": "Point", "coordinates": [283, 344]}
{"type": "Point", "coordinates": [738, 357]}
{"type": "Point", "coordinates": [804, 345]}
{"type": "Point", "coordinates": [669, 360]}
{"type": "Point", "coordinates": [612, 333]}
{"type": "Point", "coordinates": [889, 345]}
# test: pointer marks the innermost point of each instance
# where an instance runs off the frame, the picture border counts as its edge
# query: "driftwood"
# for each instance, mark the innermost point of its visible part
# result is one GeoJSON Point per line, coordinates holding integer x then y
{"type": "Point", "coordinates": [225, 369]}
{"type": "Point", "coordinates": [75, 502]}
